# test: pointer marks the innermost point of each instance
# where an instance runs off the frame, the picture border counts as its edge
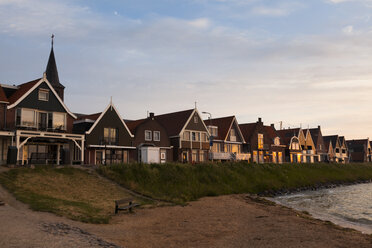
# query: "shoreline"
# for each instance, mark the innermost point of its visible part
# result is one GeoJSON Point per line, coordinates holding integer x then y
{"type": "Point", "coordinates": [315, 187]}
{"type": "Point", "coordinates": [319, 212]}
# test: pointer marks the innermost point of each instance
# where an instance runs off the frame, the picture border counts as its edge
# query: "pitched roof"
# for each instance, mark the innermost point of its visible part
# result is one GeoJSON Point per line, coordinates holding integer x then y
{"type": "Point", "coordinates": [247, 130]}
{"type": "Point", "coordinates": [89, 117]}
{"type": "Point", "coordinates": [174, 122]}
{"type": "Point", "coordinates": [270, 133]}
{"type": "Point", "coordinates": [3, 97]}
{"type": "Point", "coordinates": [287, 134]}
{"type": "Point", "coordinates": [332, 139]}
{"type": "Point", "coordinates": [223, 124]}
{"type": "Point", "coordinates": [315, 132]}
{"type": "Point", "coordinates": [101, 116]}
{"type": "Point", "coordinates": [132, 125]}
{"type": "Point", "coordinates": [22, 89]}
{"type": "Point", "coordinates": [52, 72]}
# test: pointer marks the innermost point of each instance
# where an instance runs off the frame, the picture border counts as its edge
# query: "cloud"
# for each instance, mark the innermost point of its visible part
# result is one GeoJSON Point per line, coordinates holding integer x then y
{"type": "Point", "coordinates": [162, 63]}
{"type": "Point", "coordinates": [348, 30]}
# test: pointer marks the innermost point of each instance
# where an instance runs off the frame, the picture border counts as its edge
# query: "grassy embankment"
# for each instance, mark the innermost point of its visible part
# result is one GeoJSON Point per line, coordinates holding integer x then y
{"type": "Point", "coordinates": [70, 192]}
{"type": "Point", "coordinates": [180, 183]}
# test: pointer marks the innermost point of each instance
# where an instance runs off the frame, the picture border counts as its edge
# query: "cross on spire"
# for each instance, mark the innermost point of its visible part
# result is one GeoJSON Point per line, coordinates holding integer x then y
{"type": "Point", "coordinates": [52, 39]}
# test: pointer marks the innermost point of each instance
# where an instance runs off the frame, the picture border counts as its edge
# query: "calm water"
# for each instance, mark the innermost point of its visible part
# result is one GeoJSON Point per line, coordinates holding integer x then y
{"type": "Point", "coordinates": [348, 206]}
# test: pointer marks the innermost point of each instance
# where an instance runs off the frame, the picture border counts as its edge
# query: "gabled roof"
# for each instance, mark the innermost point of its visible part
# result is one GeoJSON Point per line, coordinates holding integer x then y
{"type": "Point", "coordinates": [223, 124]}
{"type": "Point", "coordinates": [103, 113]}
{"type": "Point", "coordinates": [174, 122]}
{"type": "Point", "coordinates": [132, 125]}
{"type": "Point", "coordinates": [271, 133]}
{"type": "Point", "coordinates": [247, 130]}
{"type": "Point", "coordinates": [89, 117]}
{"type": "Point", "coordinates": [52, 72]}
{"type": "Point", "coordinates": [357, 143]}
{"type": "Point", "coordinates": [3, 97]}
{"type": "Point", "coordinates": [315, 132]}
{"type": "Point", "coordinates": [22, 90]}
{"type": "Point", "coordinates": [287, 134]}
{"type": "Point", "coordinates": [331, 138]}
{"type": "Point", "coordinates": [25, 89]}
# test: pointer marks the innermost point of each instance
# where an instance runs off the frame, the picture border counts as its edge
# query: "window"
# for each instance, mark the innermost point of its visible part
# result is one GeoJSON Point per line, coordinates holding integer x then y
{"type": "Point", "coordinates": [28, 118]}
{"type": "Point", "coordinates": [260, 141]}
{"type": "Point", "coordinates": [204, 137]}
{"type": "Point", "coordinates": [18, 117]}
{"type": "Point", "coordinates": [196, 119]}
{"type": "Point", "coordinates": [162, 155]}
{"type": "Point", "coordinates": [320, 147]}
{"type": "Point", "coordinates": [156, 136]}
{"type": "Point", "coordinates": [194, 156]}
{"type": "Point", "coordinates": [213, 131]}
{"type": "Point", "coordinates": [43, 94]}
{"type": "Point", "coordinates": [277, 141]}
{"type": "Point", "coordinates": [110, 135]}
{"type": "Point", "coordinates": [186, 135]}
{"type": "Point", "coordinates": [232, 135]}
{"type": "Point", "coordinates": [201, 156]}
{"type": "Point", "coordinates": [344, 151]}
{"type": "Point", "coordinates": [59, 121]}
{"type": "Point", "coordinates": [50, 120]}
{"type": "Point", "coordinates": [195, 136]}
{"type": "Point", "coordinates": [337, 150]}
{"type": "Point", "coordinates": [148, 135]}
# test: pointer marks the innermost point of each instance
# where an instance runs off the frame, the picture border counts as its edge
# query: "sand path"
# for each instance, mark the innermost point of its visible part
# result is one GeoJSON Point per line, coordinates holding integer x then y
{"type": "Point", "coordinates": [225, 221]}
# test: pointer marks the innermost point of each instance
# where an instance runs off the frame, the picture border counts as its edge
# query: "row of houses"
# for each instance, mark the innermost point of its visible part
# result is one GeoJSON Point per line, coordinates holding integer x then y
{"type": "Point", "coordinates": [37, 127]}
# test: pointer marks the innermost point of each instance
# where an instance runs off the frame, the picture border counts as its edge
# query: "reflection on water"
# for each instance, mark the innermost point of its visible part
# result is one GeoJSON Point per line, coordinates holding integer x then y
{"type": "Point", "coordinates": [348, 206]}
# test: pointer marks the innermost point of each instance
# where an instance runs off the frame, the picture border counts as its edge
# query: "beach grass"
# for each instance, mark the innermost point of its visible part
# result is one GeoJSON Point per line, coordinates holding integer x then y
{"type": "Point", "coordinates": [74, 193]}
{"type": "Point", "coordinates": [180, 183]}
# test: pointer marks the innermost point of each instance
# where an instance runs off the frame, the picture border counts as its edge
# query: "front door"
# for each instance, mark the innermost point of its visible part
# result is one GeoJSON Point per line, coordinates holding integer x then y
{"type": "Point", "coordinates": [185, 157]}
{"type": "Point", "coordinates": [99, 157]}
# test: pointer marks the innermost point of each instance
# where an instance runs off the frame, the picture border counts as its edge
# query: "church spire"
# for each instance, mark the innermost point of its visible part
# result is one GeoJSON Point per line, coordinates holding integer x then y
{"type": "Point", "coordinates": [52, 72]}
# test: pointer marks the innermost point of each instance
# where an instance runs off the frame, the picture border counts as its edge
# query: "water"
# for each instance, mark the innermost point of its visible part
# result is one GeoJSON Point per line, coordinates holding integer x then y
{"type": "Point", "coordinates": [347, 206]}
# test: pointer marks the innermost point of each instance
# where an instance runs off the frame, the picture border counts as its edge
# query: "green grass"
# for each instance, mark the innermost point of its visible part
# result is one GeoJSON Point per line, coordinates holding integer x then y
{"type": "Point", "coordinates": [180, 183]}
{"type": "Point", "coordinates": [74, 193]}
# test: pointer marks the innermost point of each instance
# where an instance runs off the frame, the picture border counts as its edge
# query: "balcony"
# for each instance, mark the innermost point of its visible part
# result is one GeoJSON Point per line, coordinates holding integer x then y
{"type": "Point", "coordinates": [220, 156]}
{"type": "Point", "coordinates": [243, 156]}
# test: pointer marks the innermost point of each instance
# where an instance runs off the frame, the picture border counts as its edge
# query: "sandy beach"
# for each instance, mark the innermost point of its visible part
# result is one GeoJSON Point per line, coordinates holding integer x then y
{"type": "Point", "coordinates": [225, 221]}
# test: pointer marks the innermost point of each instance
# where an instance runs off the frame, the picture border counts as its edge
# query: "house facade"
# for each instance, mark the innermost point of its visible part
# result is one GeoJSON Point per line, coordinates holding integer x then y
{"type": "Point", "coordinates": [227, 140]}
{"type": "Point", "coordinates": [151, 140]}
{"type": "Point", "coordinates": [359, 150]}
{"type": "Point", "coordinates": [337, 148]}
{"type": "Point", "coordinates": [320, 147]}
{"type": "Point", "coordinates": [108, 139]}
{"type": "Point", "coordinates": [262, 142]}
{"type": "Point", "coordinates": [36, 124]}
{"type": "Point", "coordinates": [293, 139]}
{"type": "Point", "coordinates": [188, 134]}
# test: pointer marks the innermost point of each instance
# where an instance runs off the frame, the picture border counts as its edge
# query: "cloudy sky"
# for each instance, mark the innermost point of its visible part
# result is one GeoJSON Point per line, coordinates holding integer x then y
{"type": "Point", "coordinates": [304, 63]}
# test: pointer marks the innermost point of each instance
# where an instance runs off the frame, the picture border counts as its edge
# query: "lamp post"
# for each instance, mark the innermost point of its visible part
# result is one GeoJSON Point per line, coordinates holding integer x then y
{"type": "Point", "coordinates": [210, 137]}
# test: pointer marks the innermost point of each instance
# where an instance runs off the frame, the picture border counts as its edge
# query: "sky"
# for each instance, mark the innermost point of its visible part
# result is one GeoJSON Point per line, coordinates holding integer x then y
{"type": "Point", "coordinates": [305, 63]}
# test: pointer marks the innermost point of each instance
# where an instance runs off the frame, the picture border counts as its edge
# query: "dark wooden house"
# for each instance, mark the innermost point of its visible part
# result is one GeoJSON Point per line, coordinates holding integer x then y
{"type": "Point", "coordinates": [108, 139]}
{"type": "Point", "coordinates": [37, 122]}
{"type": "Point", "coordinates": [151, 140]}
{"type": "Point", "coordinates": [188, 135]}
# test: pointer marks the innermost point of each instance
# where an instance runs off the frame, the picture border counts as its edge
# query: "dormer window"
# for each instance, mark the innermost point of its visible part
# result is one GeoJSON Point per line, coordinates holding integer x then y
{"type": "Point", "coordinates": [277, 141]}
{"type": "Point", "coordinates": [43, 95]}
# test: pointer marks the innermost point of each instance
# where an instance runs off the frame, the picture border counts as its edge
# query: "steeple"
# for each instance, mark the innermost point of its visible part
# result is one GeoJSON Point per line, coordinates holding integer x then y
{"type": "Point", "coordinates": [52, 73]}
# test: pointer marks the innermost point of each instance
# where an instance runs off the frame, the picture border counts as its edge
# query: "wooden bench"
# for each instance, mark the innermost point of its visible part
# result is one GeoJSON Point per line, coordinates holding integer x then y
{"type": "Point", "coordinates": [129, 205]}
